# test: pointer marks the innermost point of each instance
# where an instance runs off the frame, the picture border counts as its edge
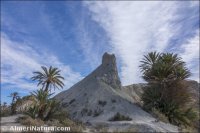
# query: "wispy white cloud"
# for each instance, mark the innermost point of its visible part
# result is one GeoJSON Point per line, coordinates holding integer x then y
{"type": "Point", "coordinates": [189, 51]}
{"type": "Point", "coordinates": [91, 42]}
{"type": "Point", "coordinates": [90, 52]}
{"type": "Point", "coordinates": [135, 28]}
{"type": "Point", "coordinates": [19, 60]}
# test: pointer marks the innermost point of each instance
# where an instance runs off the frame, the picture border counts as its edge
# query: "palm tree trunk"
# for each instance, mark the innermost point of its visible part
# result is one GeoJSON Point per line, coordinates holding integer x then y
{"type": "Point", "coordinates": [13, 99]}
{"type": "Point", "coordinates": [47, 87]}
{"type": "Point", "coordinates": [12, 105]}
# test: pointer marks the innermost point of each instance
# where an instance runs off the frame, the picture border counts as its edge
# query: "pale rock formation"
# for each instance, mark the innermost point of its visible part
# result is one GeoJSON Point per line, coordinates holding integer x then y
{"type": "Point", "coordinates": [99, 96]}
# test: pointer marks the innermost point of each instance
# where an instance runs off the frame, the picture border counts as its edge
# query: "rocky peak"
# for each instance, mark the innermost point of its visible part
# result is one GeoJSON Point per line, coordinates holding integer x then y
{"type": "Point", "coordinates": [108, 60]}
{"type": "Point", "coordinates": [108, 72]}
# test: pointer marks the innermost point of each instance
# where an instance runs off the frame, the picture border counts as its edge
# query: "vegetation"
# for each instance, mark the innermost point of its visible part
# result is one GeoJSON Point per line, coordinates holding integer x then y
{"type": "Point", "coordinates": [48, 78]}
{"type": "Point", "coordinates": [97, 112]}
{"type": "Point", "coordinates": [45, 110]}
{"type": "Point", "coordinates": [15, 96]}
{"type": "Point", "coordinates": [167, 91]}
{"type": "Point", "coordinates": [29, 121]}
{"type": "Point", "coordinates": [71, 101]}
{"type": "Point", "coordinates": [120, 117]}
{"type": "Point", "coordinates": [5, 110]}
{"type": "Point", "coordinates": [101, 128]}
{"type": "Point", "coordinates": [113, 100]}
{"type": "Point", "coordinates": [43, 107]}
{"type": "Point", "coordinates": [58, 120]}
{"type": "Point", "coordinates": [102, 103]}
{"type": "Point", "coordinates": [159, 116]}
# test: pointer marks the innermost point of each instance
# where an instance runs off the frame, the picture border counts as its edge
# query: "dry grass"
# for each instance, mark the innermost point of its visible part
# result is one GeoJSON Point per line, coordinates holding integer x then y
{"type": "Point", "coordinates": [131, 130]}
{"type": "Point", "coordinates": [27, 120]}
{"type": "Point", "coordinates": [5, 112]}
{"type": "Point", "coordinates": [158, 115]}
{"type": "Point", "coordinates": [101, 128]}
{"type": "Point", "coordinates": [189, 130]}
{"type": "Point", "coordinates": [74, 125]}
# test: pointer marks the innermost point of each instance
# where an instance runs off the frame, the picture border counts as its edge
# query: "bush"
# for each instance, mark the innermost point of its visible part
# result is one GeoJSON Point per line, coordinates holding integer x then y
{"type": "Point", "coordinates": [97, 112]}
{"type": "Point", "coordinates": [27, 120]}
{"type": "Point", "coordinates": [32, 111]}
{"type": "Point", "coordinates": [75, 126]}
{"type": "Point", "coordinates": [101, 128]}
{"type": "Point", "coordinates": [113, 100]}
{"type": "Point", "coordinates": [59, 115]}
{"type": "Point", "coordinates": [73, 100]}
{"type": "Point", "coordinates": [89, 113]}
{"type": "Point", "coordinates": [160, 116]}
{"type": "Point", "coordinates": [167, 92]}
{"type": "Point", "coordinates": [169, 103]}
{"type": "Point", "coordinates": [43, 108]}
{"type": "Point", "coordinates": [5, 111]}
{"type": "Point", "coordinates": [120, 117]}
{"type": "Point", "coordinates": [102, 103]}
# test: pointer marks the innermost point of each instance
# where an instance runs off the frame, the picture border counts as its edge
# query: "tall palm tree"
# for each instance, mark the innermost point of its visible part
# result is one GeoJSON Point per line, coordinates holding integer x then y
{"type": "Point", "coordinates": [41, 100]}
{"type": "Point", "coordinates": [48, 78]}
{"type": "Point", "coordinates": [15, 96]}
{"type": "Point", "coordinates": [167, 92]}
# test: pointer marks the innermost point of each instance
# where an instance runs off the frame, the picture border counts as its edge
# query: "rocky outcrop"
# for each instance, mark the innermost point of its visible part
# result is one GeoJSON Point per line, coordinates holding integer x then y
{"type": "Point", "coordinates": [99, 96]}
{"type": "Point", "coordinates": [108, 71]}
{"type": "Point", "coordinates": [135, 91]}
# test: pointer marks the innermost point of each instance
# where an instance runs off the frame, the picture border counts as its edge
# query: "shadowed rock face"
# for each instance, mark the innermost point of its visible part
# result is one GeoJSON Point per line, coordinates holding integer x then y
{"type": "Point", "coordinates": [109, 73]}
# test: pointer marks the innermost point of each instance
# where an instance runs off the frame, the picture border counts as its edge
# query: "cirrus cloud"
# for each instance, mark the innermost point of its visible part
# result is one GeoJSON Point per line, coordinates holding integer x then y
{"type": "Point", "coordinates": [19, 60]}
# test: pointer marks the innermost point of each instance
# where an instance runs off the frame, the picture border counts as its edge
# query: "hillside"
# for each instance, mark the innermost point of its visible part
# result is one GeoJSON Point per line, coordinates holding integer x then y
{"type": "Point", "coordinates": [99, 96]}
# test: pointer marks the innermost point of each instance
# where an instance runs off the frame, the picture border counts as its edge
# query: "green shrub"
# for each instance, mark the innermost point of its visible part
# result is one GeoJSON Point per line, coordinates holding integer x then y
{"type": "Point", "coordinates": [97, 112]}
{"type": "Point", "coordinates": [120, 117]}
{"type": "Point", "coordinates": [43, 107]}
{"type": "Point", "coordinates": [102, 103]}
{"type": "Point", "coordinates": [32, 111]}
{"type": "Point", "coordinates": [177, 113]}
{"type": "Point", "coordinates": [160, 116]}
{"type": "Point", "coordinates": [167, 92]}
{"type": "Point", "coordinates": [113, 100]}
{"type": "Point", "coordinates": [73, 100]}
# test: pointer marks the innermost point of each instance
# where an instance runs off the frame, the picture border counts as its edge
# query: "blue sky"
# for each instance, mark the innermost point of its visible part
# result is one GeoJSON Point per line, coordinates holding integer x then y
{"type": "Point", "coordinates": [74, 35]}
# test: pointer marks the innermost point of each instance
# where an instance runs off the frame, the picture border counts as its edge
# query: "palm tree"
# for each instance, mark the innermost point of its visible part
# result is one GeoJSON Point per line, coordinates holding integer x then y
{"type": "Point", "coordinates": [167, 92]}
{"type": "Point", "coordinates": [41, 100]}
{"type": "Point", "coordinates": [163, 67]}
{"type": "Point", "coordinates": [48, 78]}
{"type": "Point", "coordinates": [15, 96]}
{"type": "Point", "coordinates": [149, 60]}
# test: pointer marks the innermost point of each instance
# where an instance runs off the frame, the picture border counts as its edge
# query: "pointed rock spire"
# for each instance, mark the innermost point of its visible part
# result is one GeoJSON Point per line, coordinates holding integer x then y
{"type": "Point", "coordinates": [109, 73]}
